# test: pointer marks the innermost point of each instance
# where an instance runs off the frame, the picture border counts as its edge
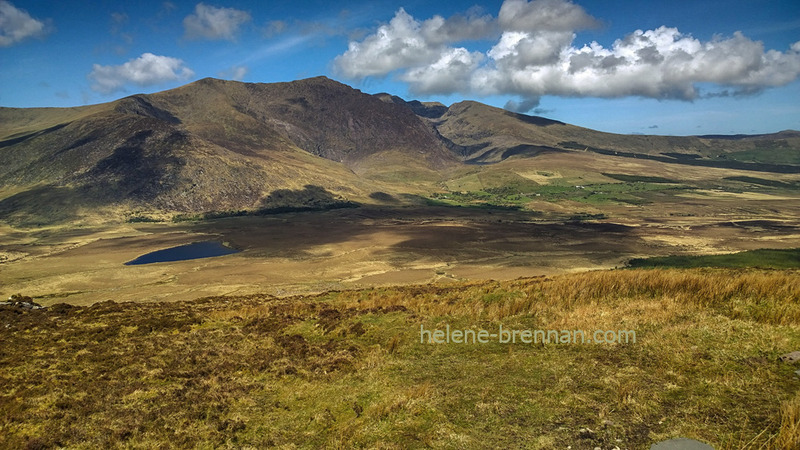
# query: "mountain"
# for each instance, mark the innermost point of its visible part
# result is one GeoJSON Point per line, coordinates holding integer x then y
{"type": "Point", "coordinates": [483, 134]}
{"type": "Point", "coordinates": [210, 145]}
{"type": "Point", "coordinates": [216, 145]}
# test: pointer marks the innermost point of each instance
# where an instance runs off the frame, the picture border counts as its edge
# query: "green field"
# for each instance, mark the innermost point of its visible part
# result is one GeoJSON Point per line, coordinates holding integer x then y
{"type": "Point", "coordinates": [593, 194]}
{"type": "Point", "coordinates": [762, 258]}
{"type": "Point", "coordinates": [771, 155]}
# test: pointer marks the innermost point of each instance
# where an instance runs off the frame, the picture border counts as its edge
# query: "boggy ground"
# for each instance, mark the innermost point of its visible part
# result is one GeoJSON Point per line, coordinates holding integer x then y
{"type": "Point", "coordinates": [309, 252]}
{"type": "Point", "coordinates": [346, 369]}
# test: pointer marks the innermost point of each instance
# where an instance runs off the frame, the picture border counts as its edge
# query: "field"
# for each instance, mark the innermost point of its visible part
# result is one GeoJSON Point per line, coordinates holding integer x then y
{"type": "Point", "coordinates": [347, 369]}
{"type": "Point", "coordinates": [298, 253]}
{"type": "Point", "coordinates": [310, 336]}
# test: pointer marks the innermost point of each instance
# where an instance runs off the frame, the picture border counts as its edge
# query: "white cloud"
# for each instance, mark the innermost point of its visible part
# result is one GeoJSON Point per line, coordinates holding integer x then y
{"type": "Point", "coordinates": [209, 22]}
{"type": "Point", "coordinates": [146, 70]}
{"type": "Point", "coordinates": [544, 15]}
{"type": "Point", "coordinates": [399, 44]}
{"type": "Point", "coordinates": [517, 48]}
{"type": "Point", "coordinates": [660, 63]}
{"type": "Point", "coordinates": [236, 73]}
{"type": "Point", "coordinates": [17, 25]}
{"type": "Point", "coordinates": [534, 54]}
{"type": "Point", "coordinates": [405, 42]}
{"type": "Point", "coordinates": [450, 73]}
{"type": "Point", "coordinates": [471, 26]}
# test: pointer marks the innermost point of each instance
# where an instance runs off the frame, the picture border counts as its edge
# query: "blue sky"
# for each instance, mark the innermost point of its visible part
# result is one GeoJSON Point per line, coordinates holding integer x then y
{"type": "Point", "coordinates": [677, 67]}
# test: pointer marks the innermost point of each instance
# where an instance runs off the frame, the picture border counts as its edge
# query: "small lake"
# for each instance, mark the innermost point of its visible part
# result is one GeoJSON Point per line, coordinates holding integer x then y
{"type": "Point", "coordinates": [195, 250]}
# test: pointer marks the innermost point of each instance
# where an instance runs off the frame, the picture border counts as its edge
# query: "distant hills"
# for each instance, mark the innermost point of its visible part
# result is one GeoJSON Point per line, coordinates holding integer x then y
{"type": "Point", "coordinates": [216, 145]}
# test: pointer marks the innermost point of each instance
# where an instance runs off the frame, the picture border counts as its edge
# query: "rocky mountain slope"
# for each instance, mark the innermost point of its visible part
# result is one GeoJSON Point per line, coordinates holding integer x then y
{"type": "Point", "coordinates": [209, 145]}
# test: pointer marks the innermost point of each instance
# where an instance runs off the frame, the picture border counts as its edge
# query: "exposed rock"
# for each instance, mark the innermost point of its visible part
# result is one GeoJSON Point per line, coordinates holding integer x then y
{"type": "Point", "coordinates": [681, 444]}
{"type": "Point", "coordinates": [791, 358]}
{"type": "Point", "coordinates": [21, 301]}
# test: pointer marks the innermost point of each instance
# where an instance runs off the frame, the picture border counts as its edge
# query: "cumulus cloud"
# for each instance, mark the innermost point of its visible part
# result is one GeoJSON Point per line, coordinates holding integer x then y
{"type": "Point", "coordinates": [534, 54]}
{"type": "Point", "coordinates": [473, 25]}
{"type": "Point", "coordinates": [398, 44]}
{"type": "Point", "coordinates": [408, 43]}
{"type": "Point", "coordinates": [520, 49]}
{"type": "Point", "coordinates": [451, 72]}
{"type": "Point", "coordinates": [209, 22]}
{"type": "Point", "coordinates": [146, 70]}
{"type": "Point", "coordinates": [660, 63]}
{"type": "Point", "coordinates": [17, 25]}
{"type": "Point", "coordinates": [544, 15]}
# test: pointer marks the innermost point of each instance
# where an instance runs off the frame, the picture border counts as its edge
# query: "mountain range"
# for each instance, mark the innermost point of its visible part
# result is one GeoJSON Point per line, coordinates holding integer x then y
{"type": "Point", "coordinates": [215, 145]}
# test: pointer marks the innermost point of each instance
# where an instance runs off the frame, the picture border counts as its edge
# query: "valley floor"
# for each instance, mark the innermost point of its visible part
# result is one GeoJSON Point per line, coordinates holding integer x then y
{"type": "Point", "coordinates": [296, 253]}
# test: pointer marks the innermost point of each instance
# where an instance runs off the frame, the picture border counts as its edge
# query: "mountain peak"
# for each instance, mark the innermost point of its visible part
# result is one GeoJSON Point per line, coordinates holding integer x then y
{"type": "Point", "coordinates": [212, 81]}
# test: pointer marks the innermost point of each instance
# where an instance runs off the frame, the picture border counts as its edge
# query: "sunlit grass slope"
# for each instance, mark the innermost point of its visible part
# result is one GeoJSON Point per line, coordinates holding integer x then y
{"type": "Point", "coordinates": [347, 369]}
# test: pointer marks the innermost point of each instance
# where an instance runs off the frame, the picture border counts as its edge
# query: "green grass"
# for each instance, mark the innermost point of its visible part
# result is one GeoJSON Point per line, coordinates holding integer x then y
{"type": "Point", "coordinates": [593, 194]}
{"type": "Point", "coordinates": [774, 155]}
{"type": "Point", "coordinates": [142, 219]}
{"type": "Point", "coordinates": [785, 158]}
{"type": "Point", "coordinates": [347, 369]}
{"type": "Point", "coordinates": [763, 258]}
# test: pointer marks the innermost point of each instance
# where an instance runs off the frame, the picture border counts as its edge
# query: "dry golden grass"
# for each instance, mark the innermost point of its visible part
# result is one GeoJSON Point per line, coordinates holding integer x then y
{"type": "Point", "coordinates": [788, 436]}
{"type": "Point", "coordinates": [704, 288]}
{"type": "Point", "coordinates": [346, 369]}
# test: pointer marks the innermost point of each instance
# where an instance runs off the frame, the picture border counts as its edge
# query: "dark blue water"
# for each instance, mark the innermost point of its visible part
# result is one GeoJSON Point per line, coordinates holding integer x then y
{"type": "Point", "coordinates": [194, 250]}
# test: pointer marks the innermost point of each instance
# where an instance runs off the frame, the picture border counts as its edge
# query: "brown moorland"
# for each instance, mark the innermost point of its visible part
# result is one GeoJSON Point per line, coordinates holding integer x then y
{"type": "Point", "coordinates": [348, 369]}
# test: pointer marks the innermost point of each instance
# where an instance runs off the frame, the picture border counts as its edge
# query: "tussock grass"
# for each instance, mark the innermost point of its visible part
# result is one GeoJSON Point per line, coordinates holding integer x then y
{"type": "Point", "coordinates": [766, 296]}
{"type": "Point", "coordinates": [789, 433]}
{"type": "Point", "coordinates": [347, 369]}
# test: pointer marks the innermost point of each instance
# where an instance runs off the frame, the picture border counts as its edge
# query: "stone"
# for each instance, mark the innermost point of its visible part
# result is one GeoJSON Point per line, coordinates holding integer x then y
{"type": "Point", "coordinates": [790, 358]}
{"type": "Point", "coordinates": [681, 444]}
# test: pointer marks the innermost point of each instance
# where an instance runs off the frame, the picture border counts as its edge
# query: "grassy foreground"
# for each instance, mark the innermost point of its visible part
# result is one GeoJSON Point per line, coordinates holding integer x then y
{"type": "Point", "coordinates": [347, 369]}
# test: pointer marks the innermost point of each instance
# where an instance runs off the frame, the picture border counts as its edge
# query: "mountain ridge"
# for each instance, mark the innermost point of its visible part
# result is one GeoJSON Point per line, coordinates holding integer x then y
{"type": "Point", "coordinates": [215, 145]}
